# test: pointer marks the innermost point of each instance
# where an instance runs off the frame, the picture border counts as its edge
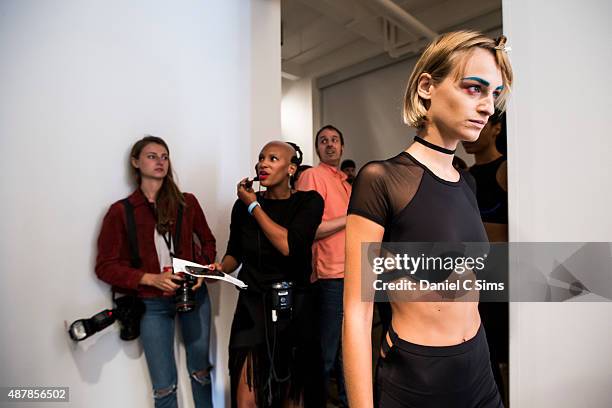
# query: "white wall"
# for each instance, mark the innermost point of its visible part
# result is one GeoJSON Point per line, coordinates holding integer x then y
{"type": "Point", "coordinates": [297, 115]}
{"type": "Point", "coordinates": [368, 111]}
{"type": "Point", "coordinates": [265, 75]}
{"type": "Point", "coordinates": [81, 81]}
{"type": "Point", "coordinates": [558, 171]}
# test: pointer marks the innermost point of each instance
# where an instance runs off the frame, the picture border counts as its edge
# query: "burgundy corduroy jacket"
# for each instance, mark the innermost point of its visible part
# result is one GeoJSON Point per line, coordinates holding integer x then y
{"type": "Point", "coordinates": [113, 261]}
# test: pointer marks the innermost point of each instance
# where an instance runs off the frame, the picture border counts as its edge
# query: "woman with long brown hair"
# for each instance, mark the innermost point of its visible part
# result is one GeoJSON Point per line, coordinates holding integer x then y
{"type": "Point", "coordinates": [165, 222]}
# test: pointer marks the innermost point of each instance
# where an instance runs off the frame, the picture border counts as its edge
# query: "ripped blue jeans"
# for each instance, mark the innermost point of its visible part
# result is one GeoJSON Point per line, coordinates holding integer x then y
{"type": "Point", "coordinates": [157, 335]}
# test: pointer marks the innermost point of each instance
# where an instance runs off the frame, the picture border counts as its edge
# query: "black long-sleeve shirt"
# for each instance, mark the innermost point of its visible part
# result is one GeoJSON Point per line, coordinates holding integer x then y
{"type": "Point", "coordinates": [261, 262]}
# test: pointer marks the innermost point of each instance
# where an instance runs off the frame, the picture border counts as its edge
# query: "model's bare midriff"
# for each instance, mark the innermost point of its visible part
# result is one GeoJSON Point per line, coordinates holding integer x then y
{"type": "Point", "coordinates": [435, 323]}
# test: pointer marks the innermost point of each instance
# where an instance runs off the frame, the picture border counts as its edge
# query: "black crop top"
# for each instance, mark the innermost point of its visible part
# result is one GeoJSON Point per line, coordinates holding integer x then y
{"type": "Point", "coordinates": [415, 205]}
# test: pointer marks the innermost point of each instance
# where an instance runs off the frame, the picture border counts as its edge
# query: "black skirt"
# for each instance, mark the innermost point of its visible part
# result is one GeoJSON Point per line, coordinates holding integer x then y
{"type": "Point", "coordinates": [283, 359]}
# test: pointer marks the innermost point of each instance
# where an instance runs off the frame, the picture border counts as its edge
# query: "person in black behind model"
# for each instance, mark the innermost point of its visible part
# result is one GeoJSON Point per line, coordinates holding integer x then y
{"type": "Point", "coordinates": [490, 172]}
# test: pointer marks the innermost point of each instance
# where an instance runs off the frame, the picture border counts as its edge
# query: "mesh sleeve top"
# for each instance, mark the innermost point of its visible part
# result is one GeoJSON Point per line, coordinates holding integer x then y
{"type": "Point", "coordinates": [415, 205]}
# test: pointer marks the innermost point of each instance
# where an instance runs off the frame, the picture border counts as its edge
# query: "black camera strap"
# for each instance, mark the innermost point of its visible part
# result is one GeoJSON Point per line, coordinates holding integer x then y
{"type": "Point", "coordinates": [135, 260]}
{"type": "Point", "coordinates": [168, 239]}
{"type": "Point", "coordinates": [177, 230]}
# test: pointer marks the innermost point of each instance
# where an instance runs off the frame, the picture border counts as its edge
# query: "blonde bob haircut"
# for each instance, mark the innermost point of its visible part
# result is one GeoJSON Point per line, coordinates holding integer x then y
{"type": "Point", "coordinates": [447, 55]}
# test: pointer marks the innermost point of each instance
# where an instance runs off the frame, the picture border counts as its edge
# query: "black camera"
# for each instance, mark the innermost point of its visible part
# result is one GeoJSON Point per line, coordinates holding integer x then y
{"type": "Point", "coordinates": [281, 299]}
{"type": "Point", "coordinates": [128, 311]}
{"type": "Point", "coordinates": [185, 295]}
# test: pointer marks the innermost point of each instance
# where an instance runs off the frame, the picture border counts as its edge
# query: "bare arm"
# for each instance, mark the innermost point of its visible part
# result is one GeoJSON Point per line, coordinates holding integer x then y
{"type": "Point", "coordinates": [330, 227]}
{"type": "Point", "coordinates": [277, 235]}
{"type": "Point", "coordinates": [228, 264]}
{"type": "Point", "coordinates": [357, 326]}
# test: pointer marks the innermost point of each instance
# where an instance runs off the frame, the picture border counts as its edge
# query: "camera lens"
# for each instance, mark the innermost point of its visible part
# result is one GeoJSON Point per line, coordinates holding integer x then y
{"type": "Point", "coordinates": [185, 301]}
{"type": "Point", "coordinates": [185, 296]}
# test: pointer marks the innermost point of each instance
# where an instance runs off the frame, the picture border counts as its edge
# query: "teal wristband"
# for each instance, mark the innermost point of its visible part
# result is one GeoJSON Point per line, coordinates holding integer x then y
{"type": "Point", "coordinates": [252, 207]}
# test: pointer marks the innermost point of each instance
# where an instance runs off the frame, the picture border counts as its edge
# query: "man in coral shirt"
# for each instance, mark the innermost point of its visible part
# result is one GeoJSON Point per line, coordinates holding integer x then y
{"type": "Point", "coordinates": [328, 248]}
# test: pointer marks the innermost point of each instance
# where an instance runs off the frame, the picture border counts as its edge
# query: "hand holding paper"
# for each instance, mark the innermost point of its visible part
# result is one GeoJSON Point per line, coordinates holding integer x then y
{"type": "Point", "coordinates": [205, 271]}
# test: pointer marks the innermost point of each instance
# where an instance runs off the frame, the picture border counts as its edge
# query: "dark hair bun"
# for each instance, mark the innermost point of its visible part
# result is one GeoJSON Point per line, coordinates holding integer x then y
{"type": "Point", "coordinates": [297, 158]}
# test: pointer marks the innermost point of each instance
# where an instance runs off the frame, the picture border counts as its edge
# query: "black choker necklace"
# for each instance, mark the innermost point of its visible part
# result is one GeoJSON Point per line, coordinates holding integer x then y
{"type": "Point", "coordinates": [433, 146]}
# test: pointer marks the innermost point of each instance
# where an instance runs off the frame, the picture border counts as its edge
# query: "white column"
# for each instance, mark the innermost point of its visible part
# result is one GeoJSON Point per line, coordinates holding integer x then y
{"type": "Point", "coordinates": [559, 170]}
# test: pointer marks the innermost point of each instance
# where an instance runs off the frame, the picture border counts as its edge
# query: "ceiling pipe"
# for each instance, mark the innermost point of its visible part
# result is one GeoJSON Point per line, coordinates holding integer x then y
{"type": "Point", "coordinates": [405, 19]}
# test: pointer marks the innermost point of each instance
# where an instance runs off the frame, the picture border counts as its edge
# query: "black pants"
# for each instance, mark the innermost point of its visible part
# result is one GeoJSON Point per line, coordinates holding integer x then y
{"type": "Point", "coordinates": [411, 375]}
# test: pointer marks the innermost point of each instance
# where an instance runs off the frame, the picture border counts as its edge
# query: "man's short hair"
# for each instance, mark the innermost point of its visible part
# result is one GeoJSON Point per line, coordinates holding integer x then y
{"type": "Point", "coordinates": [330, 127]}
{"type": "Point", "coordinates": [347, 163]}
